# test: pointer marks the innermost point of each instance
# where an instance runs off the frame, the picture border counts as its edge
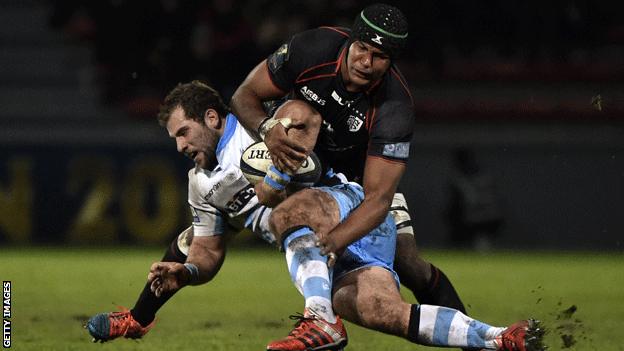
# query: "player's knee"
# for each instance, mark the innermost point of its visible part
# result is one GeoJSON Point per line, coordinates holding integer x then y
{"type": "Point", "coordinates": [313, 119]}
{"type": "Point", "coordinates": [369, 312]}
{"type": "Point", "coordinates": [309, 207]}
{"type": "Point", "coordinates": [306, 120]}
{"type": "Point", "coordinates": [287, 215]}
{"type": "Point", "coordinates": [300, 112]}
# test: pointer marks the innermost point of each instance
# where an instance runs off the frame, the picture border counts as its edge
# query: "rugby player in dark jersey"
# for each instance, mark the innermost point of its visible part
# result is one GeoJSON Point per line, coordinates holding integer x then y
{"type": "Point", "coordinates": [367, 119]}
{"type": "Point", "coordinates": [363, 107]}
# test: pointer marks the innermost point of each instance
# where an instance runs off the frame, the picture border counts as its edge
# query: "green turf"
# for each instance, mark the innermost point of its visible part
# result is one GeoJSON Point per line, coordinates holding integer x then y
{"type": "Point", "coordinates": [55, 290]}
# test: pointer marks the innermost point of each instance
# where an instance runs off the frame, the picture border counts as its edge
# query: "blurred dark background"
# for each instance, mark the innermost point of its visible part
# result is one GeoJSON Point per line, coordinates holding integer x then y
{"type": "Point", "coordinates": [519, 105]}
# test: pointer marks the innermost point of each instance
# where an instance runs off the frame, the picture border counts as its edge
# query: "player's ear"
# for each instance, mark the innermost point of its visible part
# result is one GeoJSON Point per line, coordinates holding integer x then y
{"type": "Point", "coordinates": [212, 119]}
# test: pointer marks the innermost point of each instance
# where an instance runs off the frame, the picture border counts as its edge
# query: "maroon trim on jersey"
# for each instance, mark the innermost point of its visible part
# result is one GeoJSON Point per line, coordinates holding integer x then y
{"type": "Point", "coordinates": [337, 63]}
{"type": "Point", "coordinates": [369, 120]}
{"type": "Point", "coordinates": [404, 84]}
{"type": "Point", "coordinates": [340, 58]}
{"type": "Point", "coordinates": [335, 30]}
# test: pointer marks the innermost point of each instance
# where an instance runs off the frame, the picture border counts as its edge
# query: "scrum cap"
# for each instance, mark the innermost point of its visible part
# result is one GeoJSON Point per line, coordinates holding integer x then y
{"type": "Point", "coordinates": [382, 26]}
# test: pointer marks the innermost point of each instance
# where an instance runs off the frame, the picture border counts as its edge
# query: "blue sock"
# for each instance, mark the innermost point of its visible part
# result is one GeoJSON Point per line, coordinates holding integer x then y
{"type": "Point", "coordinates": [308, 270]}
{"type": "Point", "coordinates": [442, 326]}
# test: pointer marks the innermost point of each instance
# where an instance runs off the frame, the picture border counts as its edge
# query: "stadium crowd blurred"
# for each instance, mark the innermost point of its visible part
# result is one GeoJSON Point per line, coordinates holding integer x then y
{"type": "Point", "coordinates": [143, 48]}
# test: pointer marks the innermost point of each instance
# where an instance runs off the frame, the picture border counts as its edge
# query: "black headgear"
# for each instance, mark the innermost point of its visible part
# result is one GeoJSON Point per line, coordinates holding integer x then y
{"type": "Point", "coordinates": [382, 26]}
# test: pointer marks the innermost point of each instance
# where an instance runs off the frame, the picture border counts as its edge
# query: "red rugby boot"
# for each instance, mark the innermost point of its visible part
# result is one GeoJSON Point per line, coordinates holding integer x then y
{"type": "Point", "coordinates": [521, 336]}
{"type": "Point", "coordinates": [312, 333]}
{"type": "Point", "coordinates": [108, 326]}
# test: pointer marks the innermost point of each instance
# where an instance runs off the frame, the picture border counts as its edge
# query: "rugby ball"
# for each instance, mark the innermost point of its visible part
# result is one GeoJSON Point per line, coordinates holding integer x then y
{"type": "Point", "coordinates": [256, 159]}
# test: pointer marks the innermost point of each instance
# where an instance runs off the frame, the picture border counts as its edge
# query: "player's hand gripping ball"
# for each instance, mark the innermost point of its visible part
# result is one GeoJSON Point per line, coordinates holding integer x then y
{"type": "Point", "coordinates": [256, 160]}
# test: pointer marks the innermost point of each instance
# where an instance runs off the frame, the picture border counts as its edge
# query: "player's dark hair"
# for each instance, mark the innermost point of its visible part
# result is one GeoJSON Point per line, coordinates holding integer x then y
{"type": "Point", "coordinates": [195, 98]}
{"type": "Point", "coordinates": [382, 26]}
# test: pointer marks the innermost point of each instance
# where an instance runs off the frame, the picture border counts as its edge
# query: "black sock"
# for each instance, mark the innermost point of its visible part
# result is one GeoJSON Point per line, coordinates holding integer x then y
{"type": "Point", "coordinates": [414, 324]}
{"type": "Point", "coordinates": [440, 292]}
{"type": "Point", "coordinates": [148, 304]}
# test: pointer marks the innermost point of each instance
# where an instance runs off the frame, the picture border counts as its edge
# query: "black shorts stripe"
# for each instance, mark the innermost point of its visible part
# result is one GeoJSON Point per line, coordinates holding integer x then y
{"type": "Point", "coordinates": [398, 208]}
{"type": "Point", "coordinates": [257, 224]}
{"type": "Point", "coordinates": [404, 224]}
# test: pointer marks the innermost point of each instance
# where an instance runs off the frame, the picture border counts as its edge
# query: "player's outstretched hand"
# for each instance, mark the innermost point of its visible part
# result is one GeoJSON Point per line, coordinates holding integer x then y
{"type": "Point", "coordinates": [287, 154]}
{"type": "Point", "coordinates": [166, 277]}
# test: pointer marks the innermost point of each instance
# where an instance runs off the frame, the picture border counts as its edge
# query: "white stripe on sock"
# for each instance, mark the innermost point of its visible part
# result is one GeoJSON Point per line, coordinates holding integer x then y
{"type": "Point", "coordinates": [428, 316]}
{"type": "Point", "coordinates": [458, 334]}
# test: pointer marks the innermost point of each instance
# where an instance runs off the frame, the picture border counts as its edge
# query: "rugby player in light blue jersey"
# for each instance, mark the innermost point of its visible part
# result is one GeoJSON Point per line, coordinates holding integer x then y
{"type": "Point", "coordinates": [218, 194]}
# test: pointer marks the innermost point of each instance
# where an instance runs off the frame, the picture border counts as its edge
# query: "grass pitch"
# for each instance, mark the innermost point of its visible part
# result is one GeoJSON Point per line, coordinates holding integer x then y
{"type": "Point", "coordinates": [578, 296]}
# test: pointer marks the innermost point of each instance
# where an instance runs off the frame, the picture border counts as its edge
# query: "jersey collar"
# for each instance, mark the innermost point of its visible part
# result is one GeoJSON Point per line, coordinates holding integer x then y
{"type": "Point", "coordinates": [230, 127]}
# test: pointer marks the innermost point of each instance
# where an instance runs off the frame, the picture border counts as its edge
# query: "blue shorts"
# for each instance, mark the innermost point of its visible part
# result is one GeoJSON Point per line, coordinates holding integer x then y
{"type": "Point", "coordinates": [377, 248]}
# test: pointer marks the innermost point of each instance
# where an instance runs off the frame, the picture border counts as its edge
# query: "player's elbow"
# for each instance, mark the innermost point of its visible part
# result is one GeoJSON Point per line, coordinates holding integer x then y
{"type": "Point", "coordinates": [378, 206]}
{"type": "Point", "coordinates": [380, 200]}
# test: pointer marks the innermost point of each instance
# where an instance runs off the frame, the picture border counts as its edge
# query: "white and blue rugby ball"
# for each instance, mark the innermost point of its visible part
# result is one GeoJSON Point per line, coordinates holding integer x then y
{"type": "Point", "coordinates": [256, 159]}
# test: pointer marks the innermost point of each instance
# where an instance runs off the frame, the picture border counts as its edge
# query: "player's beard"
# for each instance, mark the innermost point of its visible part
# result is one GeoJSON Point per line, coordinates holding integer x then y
{"type": "Point", "coordinates": [206, 160]}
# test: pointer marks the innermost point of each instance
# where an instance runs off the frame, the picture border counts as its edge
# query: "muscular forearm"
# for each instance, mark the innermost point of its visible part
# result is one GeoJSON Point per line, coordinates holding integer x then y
{"type": "Point", "coordinates": [381, 178]}
{"type": "Point", "coordinates": [247, 100]}
{"type": "Point", "coordinates": [207, 254]}
{"type": "Point", "coordinates": [370, 214]}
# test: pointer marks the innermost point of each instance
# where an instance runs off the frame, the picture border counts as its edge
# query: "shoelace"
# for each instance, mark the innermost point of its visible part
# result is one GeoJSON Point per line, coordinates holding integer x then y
{"type": "Point", "coordinates": [120, 321]}
{"type": "Point", "coordinates": [300, 318]}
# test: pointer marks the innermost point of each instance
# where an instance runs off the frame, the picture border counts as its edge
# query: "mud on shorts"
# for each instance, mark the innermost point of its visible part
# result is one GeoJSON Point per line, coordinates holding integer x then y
{"type": "Point", "coordinates": [377, 248]}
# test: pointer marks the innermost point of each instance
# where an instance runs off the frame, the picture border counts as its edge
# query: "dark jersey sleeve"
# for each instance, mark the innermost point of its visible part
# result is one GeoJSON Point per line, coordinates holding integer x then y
{"type": "Point", "coordinates": [393, 123]}
{"type": "Point", "coordinates": [282, 69]}
{"type": "Point", "coordinates": [303, 51]}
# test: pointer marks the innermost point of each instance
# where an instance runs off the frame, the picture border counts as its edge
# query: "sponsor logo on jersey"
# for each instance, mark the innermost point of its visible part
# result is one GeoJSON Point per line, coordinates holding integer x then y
{"type": "Point", "coordinates": [328, 126]}
{"type": "Point", "coordinates": [377, 39]}
{"type": "Point", "coordinates": [397, 150]}
{"type": "Point", "coordinates": [338, 99]}
{"type": "Point", "coordinates": [354, 123]}
{"type": "Point", "coordinates": [311, 96]}
{"type": "Point", "coordinates": [241, 199]}
{"type": "Point", "coordinates": [212, 191]}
